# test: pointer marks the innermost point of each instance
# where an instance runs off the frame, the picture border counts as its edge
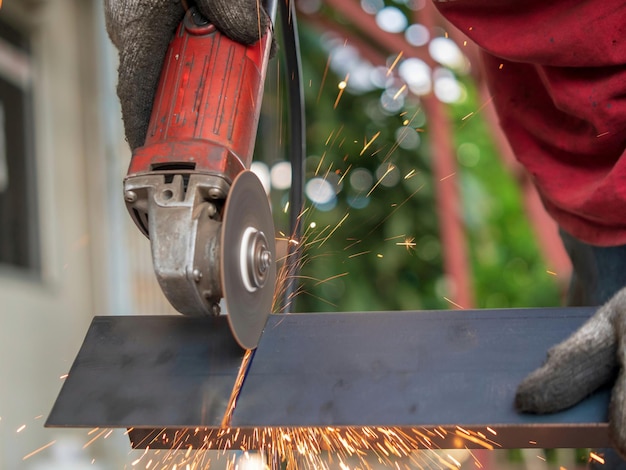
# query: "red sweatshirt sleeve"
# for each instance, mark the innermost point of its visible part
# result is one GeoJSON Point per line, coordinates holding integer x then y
{"type": "Point", "coordinates": [557, 72]}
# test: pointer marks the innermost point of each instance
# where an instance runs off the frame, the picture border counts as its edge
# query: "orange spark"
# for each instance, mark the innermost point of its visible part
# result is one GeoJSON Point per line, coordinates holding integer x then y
{"type": "Point", "coordinates": [335, 229]}
{"type": "Point", "coordinates": [408, 243]}
{"type": "Point", "coordinates": [596, 457]}
{"type": "Point", "coordinates": [330, 136]}
{"type": "Point", "coordinates": [475, 440]}
{"type": "Point", "coordinates": [395, 62]}
{"type": "Point", "coordinates": [390, 168]}
{"type": "Point", "coordinates": [232, 401]}
{"type": "Point", "coordinates": [454, 303]}
{"type": "Point", "coordinates": [399, 92]}
{"type": "Point", "coordinates": [324, 75]}
{"type": "Point", "coordinates": [343, 176]}
{"type": "Point", "coordinates": [367, 144]}
{"type": "Point", "coordinates": [396, 208]}
{"type": "Point", "coordinates": [104, 431]}
{"type": "Point", "coordinates": [456, 462]}
{"type": "Point", "coordinates": [330, 278]}
{"type": "Point", "coordinates": [319, 165]}
{"type": "Point", "coordinates": [27, 456]}
{"type": "Point", "coordinates": [342, 86]}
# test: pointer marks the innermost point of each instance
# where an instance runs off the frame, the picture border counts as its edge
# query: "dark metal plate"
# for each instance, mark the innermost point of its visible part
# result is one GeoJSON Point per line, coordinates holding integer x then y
{"type": "Point", "coordinates": [150, 371]}
{"type": "Point", "coordinates": [170, 377]}
{"type": "Point", "coordinates": [407, 369]}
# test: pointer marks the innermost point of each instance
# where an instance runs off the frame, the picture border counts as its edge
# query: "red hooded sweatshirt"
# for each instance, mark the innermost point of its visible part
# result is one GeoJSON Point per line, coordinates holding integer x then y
{"type": "Point", "coordinates": [557, 72]}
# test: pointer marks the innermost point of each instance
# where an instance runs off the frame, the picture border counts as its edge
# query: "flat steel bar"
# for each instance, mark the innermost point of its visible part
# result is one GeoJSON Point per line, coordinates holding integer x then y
{"type": "Point", "coordinates": [150, 371]}
{"type": "Point", "coordinates": [433, 375]}
{"type": "Point", "coordinates": [415, 369]}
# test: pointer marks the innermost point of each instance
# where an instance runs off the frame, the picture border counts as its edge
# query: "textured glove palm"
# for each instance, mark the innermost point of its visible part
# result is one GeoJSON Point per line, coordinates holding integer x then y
{"type": "Point", "coordinates": [141, 30]}
{"type": "Point", "coordinates": [588, 359]}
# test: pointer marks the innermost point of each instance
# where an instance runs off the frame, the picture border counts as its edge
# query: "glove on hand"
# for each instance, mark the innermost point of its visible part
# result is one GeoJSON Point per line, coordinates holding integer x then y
{"type": "Point", "coordinates": [141, 30]}
{"type": "Point", "coordinates": [588, 359]}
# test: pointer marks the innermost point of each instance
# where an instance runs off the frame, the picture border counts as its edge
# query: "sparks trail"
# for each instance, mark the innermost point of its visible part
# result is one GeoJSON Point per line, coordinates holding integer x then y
{"type": "Point", "coordinates": [454, 303]}
{"type": "Point", "coordinates": [399, 92]}
{"type": "Point", "coordinates": [410, 174]}
{"type": "Point", "coordinates": [329, 147]}
{"type": "Point", "coordinates": [344, 174]}
{"type": "Point", "coordinates": [408, 243]}
{"type": "Point", "coordinates": [234, 395]}
{"type": "Point", "coordinates": [407, 124]}
{"type": "Point", "coordinates": [319, 93]}
{"type": "Point", "coordinates": [390, 168]}
{"type": "Point", "coordinates": [395, 62]}
{"type": "Point", "coordinates": [396, 209]}
{"type": "Point", "coordinates": [367, 143]}
{"type": "Point", "coordinates": [354, 242]}
{"type": "Point", "coordinates": [596, 457]}
{"type": "Point", "coordinates": [331, 278]}
{"type": "Point", "coordinates": [49, 444]}
{"type": "Point", "coordinates": [342, 86]}
{"type": "Point", "coordinates": [102, 433]}
{"type": "Point", "coordinates": [305, 448]}
{"type": "Point", "coordinates": [474, 113]}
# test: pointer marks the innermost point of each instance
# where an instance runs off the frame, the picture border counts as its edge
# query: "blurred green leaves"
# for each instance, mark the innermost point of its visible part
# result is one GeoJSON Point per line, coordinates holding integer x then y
{"type": "Point", "coordinates": [376, 244]}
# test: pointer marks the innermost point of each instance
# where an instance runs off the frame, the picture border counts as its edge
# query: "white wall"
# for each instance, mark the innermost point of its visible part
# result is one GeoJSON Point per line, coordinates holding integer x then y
{"type": "Point", "coordinates": [42, 323]}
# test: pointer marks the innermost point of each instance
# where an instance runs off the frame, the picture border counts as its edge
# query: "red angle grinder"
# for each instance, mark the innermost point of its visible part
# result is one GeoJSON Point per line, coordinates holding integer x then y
{"type": "Point", "coordinates": [189, 188]}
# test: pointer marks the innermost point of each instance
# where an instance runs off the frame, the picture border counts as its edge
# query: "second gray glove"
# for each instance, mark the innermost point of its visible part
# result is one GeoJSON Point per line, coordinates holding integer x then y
{"type": "Point", "coordinates": [587, 360]}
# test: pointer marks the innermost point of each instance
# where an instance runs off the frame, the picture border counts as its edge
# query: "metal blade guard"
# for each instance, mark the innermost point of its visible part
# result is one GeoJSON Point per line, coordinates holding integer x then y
{"type": "Point", "coordinates": [200, 138]}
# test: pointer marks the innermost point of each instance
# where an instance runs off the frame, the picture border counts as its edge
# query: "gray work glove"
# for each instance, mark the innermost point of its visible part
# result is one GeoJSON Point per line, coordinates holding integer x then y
{"type": "Point", "coordinates": [588, 359]}
{"type": "Point", "coordinates": [141, 30]}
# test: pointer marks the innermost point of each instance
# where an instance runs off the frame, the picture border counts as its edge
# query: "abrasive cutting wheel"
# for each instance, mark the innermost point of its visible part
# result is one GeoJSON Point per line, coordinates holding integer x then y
{"type": "Point", "coordinates": [248, 252]}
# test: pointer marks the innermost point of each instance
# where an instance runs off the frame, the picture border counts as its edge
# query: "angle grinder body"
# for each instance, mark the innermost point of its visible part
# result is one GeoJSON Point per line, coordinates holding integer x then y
{"type": "Point", "coordinates": [189, 188]}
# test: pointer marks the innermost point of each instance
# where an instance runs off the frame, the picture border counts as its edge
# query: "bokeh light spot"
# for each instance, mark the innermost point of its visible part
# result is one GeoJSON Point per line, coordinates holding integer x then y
{"type": "Point", "coordinates": [320, 191]}
{"type": "Point", "coordinates": [280, 175]}
{"type": "Point", "coordinates": [263, 173]}
{"type": "Point", "coordinates": [391, 20]}
{"type": "Point", "coordinates": [361, 179]}
{"type": "Point", "coordinates": [417, 35]}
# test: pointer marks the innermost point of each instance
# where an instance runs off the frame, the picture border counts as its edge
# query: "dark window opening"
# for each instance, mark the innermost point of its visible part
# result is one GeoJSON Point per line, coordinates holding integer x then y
{"type": "Point", "coordinates": [19, 237]}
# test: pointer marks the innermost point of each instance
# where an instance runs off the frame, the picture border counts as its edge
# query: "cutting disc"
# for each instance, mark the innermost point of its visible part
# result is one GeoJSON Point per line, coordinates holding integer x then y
{"type": "Point", "coordinates": [248, 258]}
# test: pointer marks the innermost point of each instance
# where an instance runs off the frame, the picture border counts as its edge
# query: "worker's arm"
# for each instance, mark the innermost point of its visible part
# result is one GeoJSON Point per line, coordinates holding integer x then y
{"type": "Point", "coordinates": [141, 30]}
{"type": "Point", "coordinates": [556, 74]}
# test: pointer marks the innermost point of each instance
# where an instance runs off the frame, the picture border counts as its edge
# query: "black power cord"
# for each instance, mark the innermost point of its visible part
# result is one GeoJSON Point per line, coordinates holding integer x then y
{"type": "Point", "coordinates": [297, 145]}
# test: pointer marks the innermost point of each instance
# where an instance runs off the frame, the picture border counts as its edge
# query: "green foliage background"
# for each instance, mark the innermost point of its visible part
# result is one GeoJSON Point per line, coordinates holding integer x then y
{"type": "Point", "coordinates": [361, 265]}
